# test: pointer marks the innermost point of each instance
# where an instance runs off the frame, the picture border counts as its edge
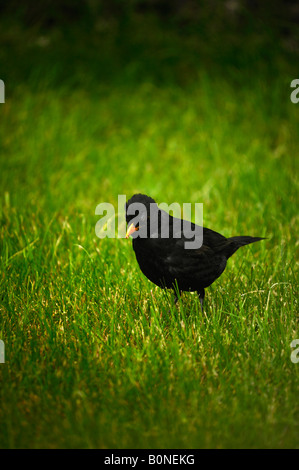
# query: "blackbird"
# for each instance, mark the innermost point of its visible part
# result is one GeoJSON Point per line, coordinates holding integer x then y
{"type": "Point", "coordinates": [160, 245]}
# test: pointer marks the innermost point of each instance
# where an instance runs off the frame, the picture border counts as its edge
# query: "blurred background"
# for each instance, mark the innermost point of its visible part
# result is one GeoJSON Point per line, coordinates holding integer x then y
{"type": "Point", "coordinates": [166, 97]}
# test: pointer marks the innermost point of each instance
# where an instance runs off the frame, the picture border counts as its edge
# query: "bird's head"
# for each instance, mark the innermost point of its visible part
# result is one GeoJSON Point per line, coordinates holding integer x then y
{"type": "Point", "coordinates": [138, 210]}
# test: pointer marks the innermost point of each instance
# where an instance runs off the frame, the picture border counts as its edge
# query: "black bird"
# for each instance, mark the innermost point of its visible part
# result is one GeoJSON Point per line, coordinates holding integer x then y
{"type": "Point", "coordinates": [166, 260]}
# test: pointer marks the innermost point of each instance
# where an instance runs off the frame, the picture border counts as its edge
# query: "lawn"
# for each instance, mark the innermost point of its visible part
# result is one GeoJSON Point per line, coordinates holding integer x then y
{"type": "Point", "coordinates": [93, 357]}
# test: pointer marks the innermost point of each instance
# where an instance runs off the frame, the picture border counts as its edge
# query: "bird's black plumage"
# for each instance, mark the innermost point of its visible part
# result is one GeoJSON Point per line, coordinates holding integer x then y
{"type": "Point", "coordinates": [166, 261]}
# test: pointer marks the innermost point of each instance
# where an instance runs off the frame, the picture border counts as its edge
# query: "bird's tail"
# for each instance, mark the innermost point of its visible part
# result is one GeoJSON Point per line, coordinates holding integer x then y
{"type": "Point", "coordinates": [241, 241]}
{"type": "Point", "coordinates": [237, 242]}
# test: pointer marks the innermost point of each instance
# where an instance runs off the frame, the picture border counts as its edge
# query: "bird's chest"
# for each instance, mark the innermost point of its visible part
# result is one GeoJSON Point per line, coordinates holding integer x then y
{"type": "Point", "coordinates": [150, 261]}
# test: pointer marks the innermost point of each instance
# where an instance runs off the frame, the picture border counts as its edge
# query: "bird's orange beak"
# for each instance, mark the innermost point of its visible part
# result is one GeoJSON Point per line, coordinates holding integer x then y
{"type": "Point", "coordinates": [131, 230]}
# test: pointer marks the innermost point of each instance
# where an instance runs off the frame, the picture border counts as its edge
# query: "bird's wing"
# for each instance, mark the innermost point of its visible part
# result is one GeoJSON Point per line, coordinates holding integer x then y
{"type": "Point", "coordinates": [172, 256]}
{"type": "Point", "coordinates": [196, 267]}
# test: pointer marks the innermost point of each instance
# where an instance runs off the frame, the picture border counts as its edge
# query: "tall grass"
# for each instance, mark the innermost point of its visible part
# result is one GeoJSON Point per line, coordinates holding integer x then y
{"type": "Point", "coordinates": [96, 355]}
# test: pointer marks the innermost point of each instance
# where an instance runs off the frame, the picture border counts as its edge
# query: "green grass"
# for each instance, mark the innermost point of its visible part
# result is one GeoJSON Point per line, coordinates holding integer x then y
{"type": "Point", "coordinates": [93, 358]}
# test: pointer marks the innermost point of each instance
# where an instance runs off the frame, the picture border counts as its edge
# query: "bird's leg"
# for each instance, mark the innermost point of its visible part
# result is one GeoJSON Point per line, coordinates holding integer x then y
{"type": "Point", "coordinates": [201, 295]}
